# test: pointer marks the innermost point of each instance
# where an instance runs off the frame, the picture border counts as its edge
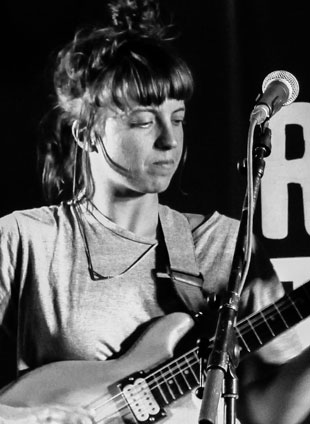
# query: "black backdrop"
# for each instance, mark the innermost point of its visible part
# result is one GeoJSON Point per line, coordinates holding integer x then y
{"type": "Point", "coordinates": [231, 45]}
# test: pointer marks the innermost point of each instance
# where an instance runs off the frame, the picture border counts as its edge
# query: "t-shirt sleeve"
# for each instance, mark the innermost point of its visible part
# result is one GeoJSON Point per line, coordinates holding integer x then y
{"type": "Point", "coordinates": [262, 289]}
{"type": "Point", "coordinates": [215, 242]}
{"type": "Point", "coordinates": [9, 256]}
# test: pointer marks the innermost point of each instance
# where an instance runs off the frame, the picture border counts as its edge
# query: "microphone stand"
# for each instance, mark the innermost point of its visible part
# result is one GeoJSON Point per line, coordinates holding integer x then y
{"type": "Point", "coordinates": [223, 360]}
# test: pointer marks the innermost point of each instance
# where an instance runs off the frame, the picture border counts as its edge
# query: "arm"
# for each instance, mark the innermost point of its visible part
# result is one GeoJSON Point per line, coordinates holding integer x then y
{"type": "Point", "coordinates": [9, 295]}
{"type": "Point", "coordinates": [282, 396]}
{"type": "Point", "coordinates": [275, 382]}
{"type": "Point", "coordinates": [45, 414]}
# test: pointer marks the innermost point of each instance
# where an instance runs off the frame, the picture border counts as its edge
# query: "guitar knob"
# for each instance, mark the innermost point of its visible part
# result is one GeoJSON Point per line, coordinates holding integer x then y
{"type": "Point", "coordinates": [199, 392]}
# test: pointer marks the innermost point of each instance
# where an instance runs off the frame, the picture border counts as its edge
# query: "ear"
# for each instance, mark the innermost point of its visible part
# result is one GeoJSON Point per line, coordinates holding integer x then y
{"type": "Point", "coordinates": [75, 129]}
{"type": "Point", "coordinates": [87, 145]}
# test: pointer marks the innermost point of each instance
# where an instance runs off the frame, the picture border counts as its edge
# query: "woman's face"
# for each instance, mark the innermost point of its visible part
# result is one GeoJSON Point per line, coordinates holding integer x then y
{"type": "Point", "coordinates": [142, 146]}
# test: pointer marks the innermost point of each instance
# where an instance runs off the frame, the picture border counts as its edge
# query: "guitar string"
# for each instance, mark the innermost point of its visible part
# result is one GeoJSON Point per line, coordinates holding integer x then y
{"type": "Point", "coordinates": [170, 374]}
{"type": "Point", "coordinates": [182, 365]}
{"type": "Point", "coordinates": [286, 302]}
{"type": "Point", "coordinates": [126, 404]}
{"type": "Point", "coordinates": [261, 316]}
{"type": "Point", "coordinates": [164, 376]}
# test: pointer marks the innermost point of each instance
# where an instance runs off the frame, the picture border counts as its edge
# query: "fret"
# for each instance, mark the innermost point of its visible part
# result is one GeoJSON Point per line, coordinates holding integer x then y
{"type": "Point", "coordinates": [174, 379]}
{"type": "Point", "coordinates": [251, 333]}
{"type": "Point", "coordinates": [166, 385]}
{"type": "Point", "coordinates": [174, 383]}
{"type": "Point", "coordinates": [255, 332]}
{"type": "Point", "coordinates": [177, 377]}
{"type": "Point", "coordinates": [196, 355]}
{"type": "Point", "coordinates": [183, 373]}
{"type": "Point", "coordinates": [242, 343]}
{"type": "Point", "coordinates": [262, 327]}
{"type": "Point", "coordinates": [190, 371]}
{"type": "Point", "coordinates": [275, 319]}
{"type": "Point", "coordinates": [195, 368]}
{"type": "Point", "coordinates": [158, 391]}
{"type": "Point", "coordinates": [302, 302]}
{"type": "Point", "coordinates": [281, 316]}
{"type": "Point", "coordinates": [267, 324]}
{"type": "Point", "coordinates": [250, 337]}
{"type": "Point", "coordinates": [289, 312]}
{"type": "Point", "coordinates": [295, 307]}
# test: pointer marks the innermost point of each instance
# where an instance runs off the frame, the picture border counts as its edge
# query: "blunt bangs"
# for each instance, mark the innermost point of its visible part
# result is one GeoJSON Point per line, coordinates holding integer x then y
{"type": "Point", "coordinates": [148, 74]}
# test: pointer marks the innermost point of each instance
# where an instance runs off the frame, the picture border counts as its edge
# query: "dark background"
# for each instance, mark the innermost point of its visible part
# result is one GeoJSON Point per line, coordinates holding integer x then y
{"type": "Point", "coordinates": [230, 45]}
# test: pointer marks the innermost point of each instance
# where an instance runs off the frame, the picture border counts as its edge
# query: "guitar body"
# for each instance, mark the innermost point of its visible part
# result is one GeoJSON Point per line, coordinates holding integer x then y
{"type": "Point", "coordinates": [150, 383]}
{"type": "Point", "coordinates": [92, 383]}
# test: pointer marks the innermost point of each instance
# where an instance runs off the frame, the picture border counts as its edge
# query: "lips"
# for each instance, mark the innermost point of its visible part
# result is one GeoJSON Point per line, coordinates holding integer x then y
{"type": "Point", "coordinates": [163, 167]}
{"type": "Point", "coordinates": [165, 163]}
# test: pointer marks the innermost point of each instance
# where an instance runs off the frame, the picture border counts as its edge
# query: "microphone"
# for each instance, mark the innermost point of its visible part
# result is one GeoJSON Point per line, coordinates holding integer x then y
{"type": "Point", "coordinates": [280, 88]}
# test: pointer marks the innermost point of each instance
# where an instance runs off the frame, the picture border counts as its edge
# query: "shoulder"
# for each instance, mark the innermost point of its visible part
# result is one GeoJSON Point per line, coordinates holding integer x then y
{"type": "Point", "coordinates": [196, 220]}
{"type": "Point", "coordinates": [33, 220]}
{"type": "Point", "coordinates": [203, 224]}
{"type": "Point", "coordinates": [214, 231]}
{"type": "Point", "coordinates": [212, 221]}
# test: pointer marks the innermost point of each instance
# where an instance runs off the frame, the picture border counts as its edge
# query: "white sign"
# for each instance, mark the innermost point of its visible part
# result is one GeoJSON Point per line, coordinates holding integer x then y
{"type": "Point", "coordinates": [279, 172]}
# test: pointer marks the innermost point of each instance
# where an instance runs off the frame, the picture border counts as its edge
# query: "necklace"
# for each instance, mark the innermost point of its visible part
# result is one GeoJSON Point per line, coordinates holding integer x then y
{"type": "Point", "coordinates": [96, 276]}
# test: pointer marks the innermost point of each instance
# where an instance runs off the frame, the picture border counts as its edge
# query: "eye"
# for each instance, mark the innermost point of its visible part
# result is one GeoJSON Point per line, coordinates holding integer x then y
{"type": "Point", "coordinates": [141, 119]}
{"type": "Point", "coordinates": [178, 121]}
{"type": "Point", "coordinates": [141, 124]}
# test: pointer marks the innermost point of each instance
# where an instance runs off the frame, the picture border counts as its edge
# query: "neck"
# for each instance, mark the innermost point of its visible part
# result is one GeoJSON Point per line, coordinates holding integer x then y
{"type": "Point", "coordinates": [138, 214]}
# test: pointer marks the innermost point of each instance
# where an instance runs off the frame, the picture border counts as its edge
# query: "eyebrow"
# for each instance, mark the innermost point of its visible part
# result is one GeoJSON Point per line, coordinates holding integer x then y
{"type": "Point", "coordinates": [180, 109]}
{"type": "Point", "coordinates": [153, 109]}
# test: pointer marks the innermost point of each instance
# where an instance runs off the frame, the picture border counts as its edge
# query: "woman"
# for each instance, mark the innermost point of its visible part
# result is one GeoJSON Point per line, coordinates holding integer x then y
{"type": "Point", "coordinates": [80, 277]}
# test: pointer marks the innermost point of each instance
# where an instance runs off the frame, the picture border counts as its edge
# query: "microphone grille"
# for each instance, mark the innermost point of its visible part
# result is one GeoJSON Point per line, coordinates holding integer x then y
{"type": "Point", "coordinates": [286, 78]}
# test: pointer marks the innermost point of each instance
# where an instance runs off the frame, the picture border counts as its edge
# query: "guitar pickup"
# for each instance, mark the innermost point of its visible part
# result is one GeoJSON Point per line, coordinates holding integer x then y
{"type": "Point", "coordinates": [140, 399]}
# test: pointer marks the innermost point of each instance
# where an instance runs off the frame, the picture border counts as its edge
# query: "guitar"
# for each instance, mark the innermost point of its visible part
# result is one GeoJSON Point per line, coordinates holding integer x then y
{"type": "Point", "coordinates": [149, 383]}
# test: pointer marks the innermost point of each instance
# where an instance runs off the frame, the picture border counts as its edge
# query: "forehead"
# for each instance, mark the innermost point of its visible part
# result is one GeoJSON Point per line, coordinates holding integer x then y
{"type": "Point", "coordinates": [168, 106]}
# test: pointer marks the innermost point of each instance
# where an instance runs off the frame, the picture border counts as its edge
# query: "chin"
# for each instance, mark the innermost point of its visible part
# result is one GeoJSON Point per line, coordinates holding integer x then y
{"type": "Point", "coordinates": [159, 188]}
{"type": "Point", "coordinates": [153, 186]}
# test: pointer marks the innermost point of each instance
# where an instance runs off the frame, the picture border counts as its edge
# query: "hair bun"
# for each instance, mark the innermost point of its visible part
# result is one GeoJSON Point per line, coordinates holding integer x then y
{"type": "Point", "coordinates": [136, 16]}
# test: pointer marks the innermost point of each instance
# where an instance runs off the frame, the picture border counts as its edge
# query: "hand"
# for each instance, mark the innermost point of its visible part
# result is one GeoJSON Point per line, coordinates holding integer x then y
{"type": "Point", "coordinates": [60, 414]}
{"type": "Point", "coordinates": [48, 414]}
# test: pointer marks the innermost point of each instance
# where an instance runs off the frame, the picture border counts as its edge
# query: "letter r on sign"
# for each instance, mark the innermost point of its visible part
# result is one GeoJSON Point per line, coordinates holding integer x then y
{"type": "Point", "coordinates": [280, 172]}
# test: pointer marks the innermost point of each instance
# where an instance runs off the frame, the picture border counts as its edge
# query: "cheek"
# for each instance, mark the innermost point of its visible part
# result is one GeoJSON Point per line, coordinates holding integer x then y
{"type": "Point", "coordinates": [181, 146]}
{"type": "Point", "coordinates": [113, 141]}
{"type": "Point", "coordinates": [124, 153]}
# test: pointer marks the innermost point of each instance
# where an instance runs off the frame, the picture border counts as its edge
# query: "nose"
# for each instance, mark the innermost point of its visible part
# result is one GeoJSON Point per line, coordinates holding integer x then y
{"type": "Point", "coordinates": [166, 138]}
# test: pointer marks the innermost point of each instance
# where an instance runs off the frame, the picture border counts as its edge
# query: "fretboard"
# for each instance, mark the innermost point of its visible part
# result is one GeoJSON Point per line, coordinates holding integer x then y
{"type": "Point", "coordinates": [179, 376]}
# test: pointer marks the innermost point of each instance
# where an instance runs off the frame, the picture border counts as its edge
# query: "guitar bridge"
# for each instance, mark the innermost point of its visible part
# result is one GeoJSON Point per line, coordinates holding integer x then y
{"type": "Point", "coordinates": [140, 399]}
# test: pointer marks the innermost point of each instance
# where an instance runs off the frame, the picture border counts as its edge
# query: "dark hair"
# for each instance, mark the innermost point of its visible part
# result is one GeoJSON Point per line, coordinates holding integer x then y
{"type": "Point", "coordinates": [131, 59]}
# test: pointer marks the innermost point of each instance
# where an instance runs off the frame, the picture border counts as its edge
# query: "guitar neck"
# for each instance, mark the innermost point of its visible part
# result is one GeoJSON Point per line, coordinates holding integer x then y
{"type": "Point", "coordinates": [181, 375]}
{"type": "Point", "coordinates": [143, 396]}
{"type": "Point", "coordinates": [260, 328]}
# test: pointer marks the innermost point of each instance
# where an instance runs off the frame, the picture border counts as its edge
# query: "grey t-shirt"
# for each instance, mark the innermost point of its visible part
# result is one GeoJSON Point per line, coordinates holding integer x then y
{"type": "Point", "coordinates": [51, 309]}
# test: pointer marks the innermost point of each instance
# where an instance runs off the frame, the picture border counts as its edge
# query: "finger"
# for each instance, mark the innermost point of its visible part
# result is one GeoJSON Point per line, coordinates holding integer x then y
{"type": "Point", "coordinates": [63, 415]}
